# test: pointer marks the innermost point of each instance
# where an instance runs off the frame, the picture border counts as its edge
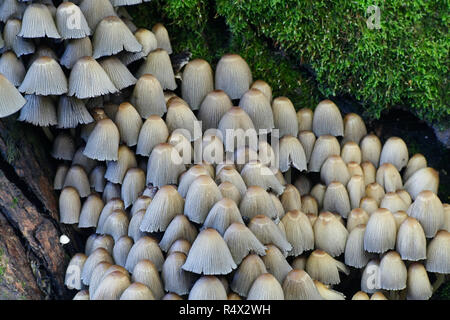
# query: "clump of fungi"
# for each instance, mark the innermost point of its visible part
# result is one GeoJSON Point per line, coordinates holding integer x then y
{"type": "Point", "coordinates": [250, 221]}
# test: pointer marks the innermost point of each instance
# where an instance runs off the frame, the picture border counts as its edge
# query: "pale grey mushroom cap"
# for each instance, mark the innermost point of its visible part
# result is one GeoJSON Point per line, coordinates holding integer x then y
{"type": "Point", "coordinates": [37, 22]}
{"type": "Point", "coordinates": [12, 101]}
{"type": "Point", "coordinates": [71, 22]}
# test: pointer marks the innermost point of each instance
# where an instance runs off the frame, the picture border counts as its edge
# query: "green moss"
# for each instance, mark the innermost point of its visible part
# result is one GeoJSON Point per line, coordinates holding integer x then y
{"type": "Point", "coordinates": [403, 63]}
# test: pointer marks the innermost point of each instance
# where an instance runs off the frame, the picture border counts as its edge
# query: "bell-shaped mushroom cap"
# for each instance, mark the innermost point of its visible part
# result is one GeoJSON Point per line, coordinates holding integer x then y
{"type": "Point", "coordinates": [230, 174]}
{"type": "Point", "coordinates": [334, 169]}
{"type": "Point", "coordinates": [222, 215]}
{"type": "Point", "coordinates": [208, 288]}
{"type": "Point", "coordinates": [12, 101]}
{"type": "Point", "coordinates": [209, 254]}
{"type": "Point", "coordinates": [266, 287]}
{"type": "Point", "coordinates": [356, 190]}
{"type": "Point", "coordinates": [110, 206]}
{"type": "Point", "coordinates": [330, 235]}
{"type": "Point", "coordinates": [291, 154]}
{"type": "Point", "coordinates": [321, 266]}
{"type": "Point", "coordinates": [63, 147]}
{"type": "Point", "coordinates": [327, 293]}
{"type": "Point", "coordinates": [309, 205]}
{"type": "Point", "coordinates": [112, 286]}
{"type": "Point", "coordinates": [137, 291]}
{"type": "Point", "coordinates": [88, 71]}
{"type": "Point", "coordinates": [360, 295]}
{"type": "Point", "coordinates": [10, 9]}
{"type": "Point", "coordinates": [196, 208]}
{"type": "Point", "coordinates": [438, 253]}
{"type": "Point", "coordinates": [162, 36]}
{"type": "Point", "coordinates": [174, 277]}
{"type": "Point", "coordinates": [77, 178]}
{"type": "Point", "coordinates": [399, 217]}
{"type": "Point", "coordinates": [324, 147]}
{"type": "Point", "coordinates": [189, 176]}
{"type": "Point", "coordinates": [415, 163]}
{"type": "Point", "coordinates": [241, 241]}
{"type": "Point", "coordinates": [395, 152]}
{"type": "Point", "coordinates": [291, 199]}
{"type": "Point", "coordinates": [19, 45]}
{"type": "Point", "coordinates": [229, 190]}
{"type": "Point", "coordinates": [370, 278]}
{"type": "Point", "coordinates": [153, 132]}
{"type": "Point", "coordinates": [97, 256]}
{"type": "Point", "coordinates": [116, 225]}
{"type": "Point", "coordinates": [96, 241]}
{"type": "Point", "coordinates": [355, 255]}
{"type": "Point", "coordinates": [318, 192]}
{"type": "Point", "coordinates": [72, 278]}
{"type": "Point", "coordinates": [134, 225]}
{"type": "Point", "coordinates": [148, 97]}
{"type": "Point", "coordinates": [375, 191]}
{"type": "Point", "coordinates": [257, 201]}
{"type": "Point", "coordinates": [145, 248]}
{"type": "Point", "coordinates": [356, 217]}
{"type": "Point", "coordinates": [76, 49]}
{"type": "Point", "coordinates": [146, 273]}
{"type": "Point", "coordinates": [129, 124]}
{"type": "Point", "coordinates": [368, 171]}
{"type": "Point", "coordinates": [44, 77]}
{"type": "Point", "coordinates": [267, 232]}
{"type": "Point", "coordinates": [351, 153]}
{"type": "Point", "coordinates": [276, 263]}
{"type": "Point", "coordinates": [71, 22]}
{"type": "Point", "coordinates": [298, 232]}
{"type": "Point", "coordinates": [182, 145]}
{"type": "Point", "coordinates": [72, 112]}
{"type": "Point", "coordinates": [381, 231]}
{"type": "Point", "coordinates": [258, 108]}
{"type": "Point", "coordinates": [116, 170]}
{"type": "Point", "coordinates": [308, 140]}
{"type": "Point", "coordinates": [180, 119]}
{"type": "Point", "coordinates": [113, 36]}
{"type": "Point", "coordinates": [80, 159]}
{"type": "Point", "coordinates": [392, 271]}
{"type": "Point", "coordinates": [119, 74]}
{"type": "Point", "coordinates": [284, 116]}
{"type": "Point", "coordinates": [164, 165]}
{"type": "Point", "coordinates": [411, 241]}
{"type": "Point", "coordinates": [96, 10]}
{"type": "Point", "coordinates": [393, 202]}
{"type": "Point", "coordinates": [428, 210]}
{"type": "Point", "coordinates": [354, 128]}
{"type": "Point", "coordinates": [158, 64]}
{"type": "Point", "coordinates": [69, 206]}
{"type": "Point", "coordinates": [121, 249]}
{"type": "Point", "coordinates": [378, 296]}
{"type": "Point", "coordinates": [371, 149]}
{"type": "Point", "coordinates": [256, 174]}
{"type": "Point", "coordinates": [166, 204]}
{"type": "Point", "coordinates": [148, 42]}
{"type": "Point", "coordinates": [180, 245]}
{"type": "Point", "coordinates": [238, 125]}
{"type": "Point", "coordinates": [39, 111]}
{"type": "Point", "coordinates": [389, 178]}
{"type": "Point", "coordinates": [198, 81]}
{"type": "Point", "coordinates": [12, 68]}
{"type": "Point", "coordinates": [37, 22]}
{"type": "Point", "coordinates": [171, 296]}
{"type": "Point", "coordinates": [418, 283]}
{"type": "Point", "coordinates": [132, 186]}
{"type": "Point", "coordinates": [327, 119]}
{"type": "Point", "coordinates": [305, 119]}
{"type": "Point", "coordinates": [215, 104]}
{"type": "Point", "coordinates": [233, 75]}
{"type": "Point", "coordinates": [96, 178]}
{"type": "Point", "coordinates": [250, 269]}
{"type": "Point", "coordinates": [298, 285]}
{"type": "Point", "coordinates": [422, 180]}
{"type": "Point", "coordinates": [60, 176]}
{"type": "Point", "coordinates": [178, 228]}
{"type": "Point", "coordinates": [336, 199]}
{"type": "Point", "coordinates": [103, 142]}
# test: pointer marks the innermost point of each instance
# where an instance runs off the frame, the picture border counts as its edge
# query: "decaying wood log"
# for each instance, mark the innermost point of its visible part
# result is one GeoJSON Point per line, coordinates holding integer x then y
{"type": "Point", "coordinates": [32, 260]}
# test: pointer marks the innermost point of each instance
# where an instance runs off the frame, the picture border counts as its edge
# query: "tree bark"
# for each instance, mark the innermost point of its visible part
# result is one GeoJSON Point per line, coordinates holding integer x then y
{"type": "Point", "coordinates": [32, 260]}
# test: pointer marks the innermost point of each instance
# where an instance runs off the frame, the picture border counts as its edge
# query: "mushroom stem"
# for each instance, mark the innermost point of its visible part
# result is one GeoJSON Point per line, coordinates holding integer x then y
{"type": "Point", "coordinates": [48, 133]}
{"type": "Point", "coordinates": [440, 279]}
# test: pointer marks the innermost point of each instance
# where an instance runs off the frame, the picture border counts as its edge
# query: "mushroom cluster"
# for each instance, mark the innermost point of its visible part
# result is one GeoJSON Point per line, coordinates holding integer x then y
{"type": "Point", "coordinates": [178, 207]}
